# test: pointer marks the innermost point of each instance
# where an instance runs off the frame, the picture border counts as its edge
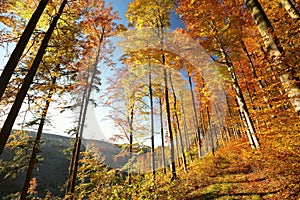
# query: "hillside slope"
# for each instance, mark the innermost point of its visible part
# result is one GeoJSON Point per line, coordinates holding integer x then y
{"type": "Point", "coordinates": [52, 172]}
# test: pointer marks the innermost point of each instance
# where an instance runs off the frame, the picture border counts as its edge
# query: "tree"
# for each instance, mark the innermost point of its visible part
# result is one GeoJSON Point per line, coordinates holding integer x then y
{"type": "Point", "coordinates": [17, 53]}
{"type": "Point", "coordinates": [156, 15]}
{"type": "Point", "coordinates": [275, 52]}
{"type": "Point", "coordinates": [178, 124]}
{"type": "Point", "coordinates": [6, 129]}
{"type": "Point", "coordinates": [99, 23]}
{"type": "Point", "coordinates": [217, 36]}
{"type": "Point", "coordinates": [35, 148]}
{"type": "Point", "coordinates": [290, 8]}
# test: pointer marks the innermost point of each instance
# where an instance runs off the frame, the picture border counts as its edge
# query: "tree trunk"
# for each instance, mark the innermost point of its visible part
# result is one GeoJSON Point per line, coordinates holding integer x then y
{"type": "Point", "coordinates": [240, 97]}
{"type": "Point", "coordinates": [72, 163]}
{"type": "Point", "coordinates": [290, 8]}
{"type": "Point", "coordinates": [13, 113]}
{"type": "Point", "coordinates": [186, 132]}
{"type": "Point", "coordinates": [196, 119]}
{"type": "Point", "coordinates": [130, 142]}
{"type": "Point", "coordinates": [210, 132]}
{"type": "Point", "coordinates": [176, 141]}
{"type": "Point", "coordinates": [259, 82]}
{"type": "Point", "coordinates": [172, 160]}
{"type": "Point", "coordinates": [178, 125]}
{"type": "Point", "coordinates": [275, 52]}
{"type": "Point", "coordinates": [18, 51]}
{"type": "Point", "coordinates": [35, 149]}
{"type": "Point", "coordinates": [88, 87]}
{"type": "Point", "coordinates": [162, 136]}
{"type": "Point", "coordinates": [248, 92]}
{"type": "Point", "coordinates": [152, 124]}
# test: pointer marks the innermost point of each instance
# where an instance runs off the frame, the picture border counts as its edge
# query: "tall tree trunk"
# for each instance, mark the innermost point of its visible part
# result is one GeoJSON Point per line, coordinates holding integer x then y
{"type": "Point", "coordinates": [231, 116]}
{"type": "Point", "coordinates": [72, 163]}
{"type": "Point", "coordinates": [152, 124]}
{"type": "Point", "coordinates": [162, 136]}
{"type": "Point", "coordinates": [35, 149]}
{"type": "Point", "coordinates": [178, 125]}
{"type": "Point", "coordinates": [176, 141]}
{"type": "Point", "coordinates": [86, 103]}
{"type": "Point", "coordinates": [19, 49]}
{"type": "Point", "coordinates": [239, 96]}
{"type": "Point", "coordinates": [210, 132]}
{"type": "Point", "coordinates": [275, 52]}
{"type": "Point", "coordinates": [290, 8]}
{"type": "Point", "coordinates": [247, 87]}
{"type": "Point", "coordinates": [259, 82]}
{"type": "Point", "coordinates": [13, 113]}
{"type": "Point", "coordinates": [196, 119]}
{"type": "Point", "coordinates": [186, 132]}
{"type": "Point", "coordinates": [171, 142]}
{"type": "Point", "coordinates": [130, 143]}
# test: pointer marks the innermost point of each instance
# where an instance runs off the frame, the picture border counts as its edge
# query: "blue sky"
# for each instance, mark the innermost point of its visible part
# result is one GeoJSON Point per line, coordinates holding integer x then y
{"type": "Point", "coordinates": [122, 5]}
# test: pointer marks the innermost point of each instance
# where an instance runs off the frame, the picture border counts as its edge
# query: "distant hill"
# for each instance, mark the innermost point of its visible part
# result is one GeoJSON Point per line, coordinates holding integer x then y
{"type": "Point", "coordinates": [52, 173]}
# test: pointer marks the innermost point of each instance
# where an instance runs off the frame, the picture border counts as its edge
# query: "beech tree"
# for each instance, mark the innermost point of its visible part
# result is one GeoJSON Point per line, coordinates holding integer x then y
{"type": "Point", "coordinates": [144, 14]}
{"type": "Point", "coordinates": [275, 52]}
{"type": "Point", "coordinates": [17, 52]}
{"type": "Point", "coordinates": [217, 32]}
{"type": "Point", "coordinates": [6, 129]}
{"type": "Point", "coordinates": [99, 25]}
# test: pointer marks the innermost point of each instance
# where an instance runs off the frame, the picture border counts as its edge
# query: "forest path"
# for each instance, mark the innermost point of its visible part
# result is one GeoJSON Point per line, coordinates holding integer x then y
{"type": "Point", "coordinates": [238, 172]}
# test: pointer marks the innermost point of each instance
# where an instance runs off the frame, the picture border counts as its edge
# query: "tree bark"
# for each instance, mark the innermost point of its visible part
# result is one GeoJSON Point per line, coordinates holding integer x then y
{"type": "Point", "coordinates": [152, 124]}
{"type": "Point", "coordinates": [196, 119]}
{"type": "Point", "coordinates": [130, 142]}
{"type": "Point", "coordinates": [187, 141]}
{"type": "Point", "coordinates": [275, 52]}
{"type": "Point", "coordinates": [9, 122]}
{"type": "Point", "coordinates": [178, 125]}
{"type": "Point", "coordinates": [162, 136]}
{"type": "Point", "coordinates": [290, 8]}
{"type": "Point", "coordinates": [240, 97]}
{"type": "Point", "coordinates": [19, 49]}
{"type": "Point", "coordinates": [172, 160]}
{"type": "Point", "coordinates": [210, 132]}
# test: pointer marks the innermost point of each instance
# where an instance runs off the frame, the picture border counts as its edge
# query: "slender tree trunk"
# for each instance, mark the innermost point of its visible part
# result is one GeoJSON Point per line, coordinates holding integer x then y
{"type": "Point", "coordinates": [259, 82]}
{"type": "Point", "coordinates": [172, 160]}
{"type": "Point", "coordinates": [86, 103]}
{"type": "Point", "coordinates": [162, 136]}
{"type": "Point", "coordinates": [177, 142]}
{"type": "Point", "coordinates": [130, 143]}
{"type": "Point", "coordinates": [236, 126]}
{"type": "Point", "coordinates": [210, 132]}
{"type": "Point", "coordinates": [187, 141]}
{"type": "Point", "coordinates": [178, 125]}
{"type": "Point", "coordinates": [247, 87]}
{"type": "Point", "coordinates": [35, 149]}
{"type": "Point", "coordinates": [251, 65]}
{"type": "Point", "coordinates": [13, 113]}
{"type": "Point", "coordinates": [240, 97]}
{"type": "Point", "coordinates": [73, 159]}
{"type": "Point", "coordinates": [275, 52]}
{"type": "Point", "coordinates": [290, 8]}
{"type": "Point", "coordinates": [19, 49]}
{"type": "Point", "coordinates": [220, 123]}
{"type": "Point", "coordinates": [196, 119]}
{"type": "Point", "coordinates": [152, 124]}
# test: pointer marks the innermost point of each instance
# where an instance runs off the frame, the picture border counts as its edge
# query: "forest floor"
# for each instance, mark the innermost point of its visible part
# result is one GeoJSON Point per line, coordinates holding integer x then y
{"type": "Point", "coordinates": [238, 172]}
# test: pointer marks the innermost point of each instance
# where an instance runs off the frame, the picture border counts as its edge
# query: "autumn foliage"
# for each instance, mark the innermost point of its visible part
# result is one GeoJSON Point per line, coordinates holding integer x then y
{"type": "Point", "coordinates": [207, 111]}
